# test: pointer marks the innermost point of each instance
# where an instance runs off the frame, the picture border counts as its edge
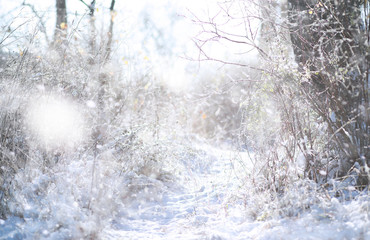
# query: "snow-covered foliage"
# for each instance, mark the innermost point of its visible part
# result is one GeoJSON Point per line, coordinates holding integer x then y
{"type": "Point", "coordinates": [106, 134]}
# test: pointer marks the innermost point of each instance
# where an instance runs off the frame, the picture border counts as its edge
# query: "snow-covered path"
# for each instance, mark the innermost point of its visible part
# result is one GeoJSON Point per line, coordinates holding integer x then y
{"type": "Point", "coordinates": [196, 209]}
{"type": "Point", "coordinates": [209, 200]}
{"type": "Point", "coordinates": [205, 206]}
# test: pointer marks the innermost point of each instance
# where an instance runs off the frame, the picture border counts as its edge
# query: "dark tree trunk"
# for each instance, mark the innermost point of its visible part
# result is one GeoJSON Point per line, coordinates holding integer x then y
{"type": "Point", "coordinates": [108, 49]}
{"type": "Point", "coordinates": [61, 21]}
{"type": "Point", "coordinates": [329, 42]}
{"type": "Point", "coordinates": [92, 41]}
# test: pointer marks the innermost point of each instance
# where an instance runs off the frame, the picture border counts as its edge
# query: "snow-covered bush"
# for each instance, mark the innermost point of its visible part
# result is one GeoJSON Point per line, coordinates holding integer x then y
{"type": "Point", "coordinates": [92, 141]}
{"type": "Point", "coordinates": [13, 142]}
{"type": "Point", "coordinates": [306, 114]}
{"type": "Point", "coordinates": [128, 151]}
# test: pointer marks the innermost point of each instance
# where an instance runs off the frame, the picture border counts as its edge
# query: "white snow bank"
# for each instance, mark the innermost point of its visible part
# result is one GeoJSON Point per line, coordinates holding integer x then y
{"type": "Point", "coordinates": [210, 199]}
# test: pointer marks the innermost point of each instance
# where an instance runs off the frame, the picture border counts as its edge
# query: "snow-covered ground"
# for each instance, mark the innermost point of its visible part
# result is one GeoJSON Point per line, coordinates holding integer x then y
{"type": "Point", "coordinates": [204, 207]}
{"type": "Point", "coordinates": [196, 208]}
{"type": "Point", "coordinates": [204, 202]}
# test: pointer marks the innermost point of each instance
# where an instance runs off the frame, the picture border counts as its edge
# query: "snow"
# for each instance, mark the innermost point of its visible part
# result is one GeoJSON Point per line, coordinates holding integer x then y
{"type": "Point", "coordinates": [136, 177]}
{"type": "Point", "coordinates": [205, 201]}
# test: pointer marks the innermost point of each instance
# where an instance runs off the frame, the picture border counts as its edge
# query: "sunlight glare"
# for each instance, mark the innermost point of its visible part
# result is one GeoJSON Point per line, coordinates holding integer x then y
{"type": "Point", "coordinates": [55, 122]}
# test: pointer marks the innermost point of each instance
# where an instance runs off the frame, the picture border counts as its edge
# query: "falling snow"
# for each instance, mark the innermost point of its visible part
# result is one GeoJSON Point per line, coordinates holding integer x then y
{"type": "Point", "coordinates": [183, 120]}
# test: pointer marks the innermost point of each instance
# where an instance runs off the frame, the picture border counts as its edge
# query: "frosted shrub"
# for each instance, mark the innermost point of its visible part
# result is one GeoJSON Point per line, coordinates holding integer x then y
{"type": "Point", "coordinates": [80, 139]}
{"type": "Point", "coordinates": [13, 154]}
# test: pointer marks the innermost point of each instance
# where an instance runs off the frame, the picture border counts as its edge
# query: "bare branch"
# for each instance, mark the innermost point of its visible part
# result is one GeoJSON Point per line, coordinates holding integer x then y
{"type": "Point", "coordinates": [41, 20]}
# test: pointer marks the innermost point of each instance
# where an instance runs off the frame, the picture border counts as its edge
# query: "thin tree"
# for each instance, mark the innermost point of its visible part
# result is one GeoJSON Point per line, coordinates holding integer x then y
{"type": "Point", "coordinates": [61, 21]}
{"type": "Point", "coordinates": [108, 48]}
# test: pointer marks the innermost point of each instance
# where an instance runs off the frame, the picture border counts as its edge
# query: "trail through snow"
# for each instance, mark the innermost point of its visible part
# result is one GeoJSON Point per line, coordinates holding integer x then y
{"type": "Point", "coordinates": [196, 209]}
{"type": "Point", "coordinates": [209, 200]}
{"type": "Point", "coordinates": [203, 208]}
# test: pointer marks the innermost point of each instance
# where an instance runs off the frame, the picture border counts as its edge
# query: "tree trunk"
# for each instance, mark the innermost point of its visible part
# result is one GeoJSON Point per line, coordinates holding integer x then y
{"type": "Point", "coordinates": [61, 21]}
{"type": "Point", "coordinates": [92, 41]}
{"type": "Point", "coordinates": [329, 42]}
{"type": "Point", "coordinates": [108, 49]}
